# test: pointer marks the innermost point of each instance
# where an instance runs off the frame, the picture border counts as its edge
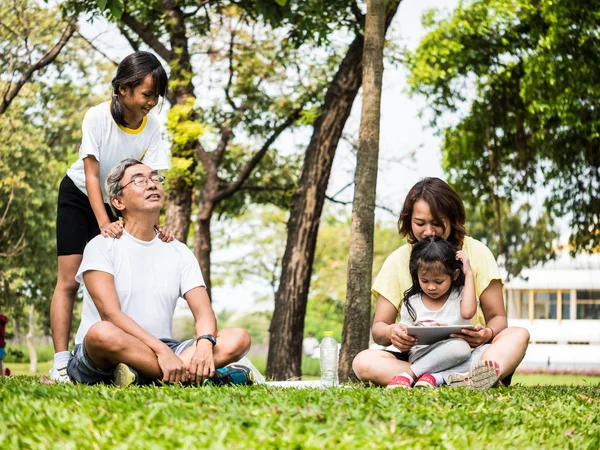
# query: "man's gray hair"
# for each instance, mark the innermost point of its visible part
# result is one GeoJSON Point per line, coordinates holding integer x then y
{"type": "Point", "coordinates": [114, 178]}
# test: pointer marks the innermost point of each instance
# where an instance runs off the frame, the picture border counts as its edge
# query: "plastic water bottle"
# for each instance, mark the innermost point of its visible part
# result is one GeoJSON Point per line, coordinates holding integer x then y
{"type": "Point", "coordinates": [329, 360]}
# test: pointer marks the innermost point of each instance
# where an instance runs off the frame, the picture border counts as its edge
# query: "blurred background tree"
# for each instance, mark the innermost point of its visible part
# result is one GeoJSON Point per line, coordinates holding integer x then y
{"type": "Point", "coordinates": [522, 78]}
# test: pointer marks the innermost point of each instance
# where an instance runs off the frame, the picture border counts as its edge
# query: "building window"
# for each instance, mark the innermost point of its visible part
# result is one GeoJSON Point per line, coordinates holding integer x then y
{"type": "Point", "coordinates": [588, 304]}
{"type": "Point", "coordinates": [544, 305]}
{"type": "Point", "coordinates": [523, 304]}
{"type": "Point", "coordinates": [566, 305]}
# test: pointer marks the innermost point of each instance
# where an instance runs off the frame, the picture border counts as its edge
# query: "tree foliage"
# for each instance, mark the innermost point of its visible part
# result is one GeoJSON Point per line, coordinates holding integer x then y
{"type": "Point", "coordinates": [241, 74]}
{"type": "Point", "coordinates": [525, 242]}
{"type": "Point", "coordinates": [40, 134]}
{"type": "Point", "coordinates": [31, 38]}
{"type": "Point", "coordinates": [522, 75]}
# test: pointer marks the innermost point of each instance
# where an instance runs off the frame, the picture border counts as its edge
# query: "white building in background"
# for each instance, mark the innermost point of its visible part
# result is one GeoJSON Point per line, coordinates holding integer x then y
{"type": "Point", "coordinates": [559, 303]}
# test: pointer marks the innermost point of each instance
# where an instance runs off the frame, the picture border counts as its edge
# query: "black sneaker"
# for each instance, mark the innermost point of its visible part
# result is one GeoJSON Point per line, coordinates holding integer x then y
{"type": "Point", "coordinates": [230, 375]}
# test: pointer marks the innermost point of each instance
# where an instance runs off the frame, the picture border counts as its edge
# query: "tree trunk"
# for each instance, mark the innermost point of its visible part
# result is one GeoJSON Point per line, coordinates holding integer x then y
{"type": "Point", "coordinates": [17, 332]}
{"type": "Point", "coordinates": [178, 212]}
{"type": "Point", "coordinates": [355, 336]}
{"type": "Point", "coordinates": [202, 242]}
{"type": "Point", "coordinates": [30, 336]}
{"type": "Point", "coordinates": [287, 324]}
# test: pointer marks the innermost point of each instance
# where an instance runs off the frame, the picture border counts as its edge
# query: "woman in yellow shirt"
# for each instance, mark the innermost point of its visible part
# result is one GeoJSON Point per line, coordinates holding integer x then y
{"type": "Point", "coordinates": [433, 208]}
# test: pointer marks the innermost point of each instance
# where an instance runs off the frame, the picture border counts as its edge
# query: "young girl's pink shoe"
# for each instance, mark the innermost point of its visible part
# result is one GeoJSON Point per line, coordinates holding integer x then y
{"type": "Point", "coordinates": [400, 381]}
{"type": "Point", "coordinates": [425, 381]}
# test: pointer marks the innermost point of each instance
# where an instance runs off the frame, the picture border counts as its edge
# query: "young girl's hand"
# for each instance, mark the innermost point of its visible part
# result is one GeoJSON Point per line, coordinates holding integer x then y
{"type": "Point", "coordinates": [466, 266]}
{"type": "Point", "coordinates": [164, 234]}
{"type": "Point", "coordinates": [400, 339]}
{"type": "Point", "coordinates": [112, 229]}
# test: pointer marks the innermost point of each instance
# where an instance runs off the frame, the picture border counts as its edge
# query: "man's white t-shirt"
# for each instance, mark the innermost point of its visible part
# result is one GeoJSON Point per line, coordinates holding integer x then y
{"type": "Point", "coordinates": [110, 143]}
{"type": "Point", "coordinates": [149, 278]}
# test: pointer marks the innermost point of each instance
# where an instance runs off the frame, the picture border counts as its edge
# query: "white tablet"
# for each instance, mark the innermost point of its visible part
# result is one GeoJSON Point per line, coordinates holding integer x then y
{"type": "Point", "coordinates": [431, 335]}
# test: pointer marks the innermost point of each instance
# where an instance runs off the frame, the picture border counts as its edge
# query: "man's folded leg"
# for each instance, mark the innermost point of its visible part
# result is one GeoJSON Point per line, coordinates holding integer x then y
{"type": "Point", "coordinates": [105, 347]}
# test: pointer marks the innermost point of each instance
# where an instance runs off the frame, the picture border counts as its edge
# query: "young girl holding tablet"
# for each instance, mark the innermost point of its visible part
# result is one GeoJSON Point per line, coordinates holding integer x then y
{"type": "Point", "coordinates": [443, 293]}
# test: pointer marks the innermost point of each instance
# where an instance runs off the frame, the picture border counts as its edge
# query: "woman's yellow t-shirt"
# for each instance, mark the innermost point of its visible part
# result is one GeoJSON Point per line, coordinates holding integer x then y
{"type": "Point", "coordinates": [394, 277]}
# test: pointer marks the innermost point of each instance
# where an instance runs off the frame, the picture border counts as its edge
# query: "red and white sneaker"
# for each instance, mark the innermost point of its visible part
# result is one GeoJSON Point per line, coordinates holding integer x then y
{"type": "Point", "coordinates": [482, 375]}
{"type": "Point", "coordinates": [425, 381]}
{"type": "Point", "coordinates": [400, 381]}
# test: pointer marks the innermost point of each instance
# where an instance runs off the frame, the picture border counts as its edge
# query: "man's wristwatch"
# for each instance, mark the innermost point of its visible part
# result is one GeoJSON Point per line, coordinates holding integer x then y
{"type": "Point", "coordinates": [209, 337]}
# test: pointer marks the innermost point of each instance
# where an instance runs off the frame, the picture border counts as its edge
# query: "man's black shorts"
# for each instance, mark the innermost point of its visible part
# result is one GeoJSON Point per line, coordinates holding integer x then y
{"type": "Point", "coordinates": [76, 224]}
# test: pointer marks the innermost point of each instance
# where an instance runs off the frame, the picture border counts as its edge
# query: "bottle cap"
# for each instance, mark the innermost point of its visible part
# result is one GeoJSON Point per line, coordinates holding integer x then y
{"type": "Point", "coordinates": [328, 333]}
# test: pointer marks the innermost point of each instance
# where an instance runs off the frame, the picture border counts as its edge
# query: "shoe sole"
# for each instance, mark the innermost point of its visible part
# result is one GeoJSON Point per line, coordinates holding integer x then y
{"type": "Point", "coordinates": [249, 374]}
{"type": "Point", "coordinates": [123, 376]}
{"type": "Point", "coordinates": [423, 384]}
{"type": "Point", "coordinates": [482, 375]}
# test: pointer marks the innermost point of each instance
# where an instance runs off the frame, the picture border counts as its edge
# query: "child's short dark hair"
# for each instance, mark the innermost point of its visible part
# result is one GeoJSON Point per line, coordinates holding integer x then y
{"type": "Point", "coordinates": [432, 252]}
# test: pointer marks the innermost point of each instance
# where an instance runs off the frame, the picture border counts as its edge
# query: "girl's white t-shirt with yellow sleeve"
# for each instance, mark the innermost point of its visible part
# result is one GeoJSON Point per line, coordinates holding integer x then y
{"type": "Point", "coordinates": [110, 143]}
{"type": "Point", "coordinates": [394, 277]}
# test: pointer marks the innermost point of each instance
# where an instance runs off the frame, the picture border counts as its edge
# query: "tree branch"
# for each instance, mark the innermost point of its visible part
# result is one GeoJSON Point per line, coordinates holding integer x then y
{"type": "Point", "coordinates": [251, 187]}
{"type": "Point", "coordinates": [230, 80]}
{"type": "Point", "coordinates": [247, 170]}
{"type": "Point", "coordinates": [360, 18]}
{"type": "Point", "coordinates": [20, 244]}
{"type": "Point", "coordinates": [339, 202]}
{"type": "Point", "coordinates": [226, 134]}
{"type": "Point", "coordinates": [149, 38]}
{"type": "Point", "coordinates": [193, 13]}
{"type": "Point", "coordinates": [10, 70]}
{"type": "Point", "coordinates": [43, 62]}
{"type": "Point", "coordinates": [134, 44]}
{"type": "Point", "coordinates": [342, 189]}
{"type": "Point", "coordinates": [97, 49]}
{"type": "Point", "coordinates": [203, 155]}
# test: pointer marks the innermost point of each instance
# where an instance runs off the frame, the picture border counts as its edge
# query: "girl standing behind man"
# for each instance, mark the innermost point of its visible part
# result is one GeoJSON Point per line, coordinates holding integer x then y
{"type": "Point", "coordinates": [112, 131]}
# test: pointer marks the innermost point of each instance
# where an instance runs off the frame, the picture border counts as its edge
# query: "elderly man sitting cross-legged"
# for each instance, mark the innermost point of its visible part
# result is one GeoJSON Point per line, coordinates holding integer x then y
{"type": "Point", "coordinates": [131, 286]}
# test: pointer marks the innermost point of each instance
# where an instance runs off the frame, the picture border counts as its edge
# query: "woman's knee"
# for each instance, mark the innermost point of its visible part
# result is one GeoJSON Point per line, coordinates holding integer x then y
{"type": "Point", "coordinates": [362, 363]}
{"type": "Point", "coordinates": [522, 334]}
{"type": "Point", "coordinates": [515, 334]}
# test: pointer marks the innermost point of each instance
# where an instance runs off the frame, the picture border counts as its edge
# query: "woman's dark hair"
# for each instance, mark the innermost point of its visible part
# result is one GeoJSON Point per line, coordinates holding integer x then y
{"type": "Point", "coordinates": [432, 252]}
{"type": "Point", "coordinates": [130, 73]}
{"type": "Point", "coordinates": [443, 201]}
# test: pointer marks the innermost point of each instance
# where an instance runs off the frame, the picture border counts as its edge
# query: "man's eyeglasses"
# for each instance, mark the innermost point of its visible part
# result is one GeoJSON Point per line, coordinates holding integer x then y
{"type": "Point", "coordinates": [142, 181]}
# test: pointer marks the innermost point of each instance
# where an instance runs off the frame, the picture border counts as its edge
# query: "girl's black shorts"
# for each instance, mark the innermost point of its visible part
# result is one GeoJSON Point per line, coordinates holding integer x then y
{"type": "Point", "coordinates": [76, 224]}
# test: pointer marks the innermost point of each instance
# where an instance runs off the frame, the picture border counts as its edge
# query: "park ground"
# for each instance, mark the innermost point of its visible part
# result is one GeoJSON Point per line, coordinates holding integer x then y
{"type": "Point", "coordinates": [538, 411]}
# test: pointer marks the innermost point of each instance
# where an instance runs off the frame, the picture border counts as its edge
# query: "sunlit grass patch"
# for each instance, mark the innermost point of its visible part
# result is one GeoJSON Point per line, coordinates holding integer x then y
{"type": "Point", "coordinates": [76, 416]}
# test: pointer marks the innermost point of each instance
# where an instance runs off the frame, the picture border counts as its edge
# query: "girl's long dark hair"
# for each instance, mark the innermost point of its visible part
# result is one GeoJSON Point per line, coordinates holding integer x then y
{"type": "Point", "coordinates": [428, 252]}
{"type": "Point", "coordinates": [131, 72]}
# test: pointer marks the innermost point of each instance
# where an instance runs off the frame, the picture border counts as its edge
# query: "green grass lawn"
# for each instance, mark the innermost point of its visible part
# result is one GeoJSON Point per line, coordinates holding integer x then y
{"type": "Point", "coordinates": [310, 367]}
{"type": "Point", "coordinates": [258, 417]}
{"type": "Point", "coordinates": [23, 368]}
